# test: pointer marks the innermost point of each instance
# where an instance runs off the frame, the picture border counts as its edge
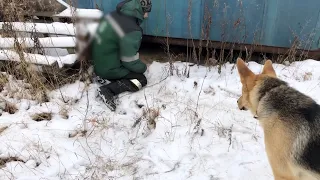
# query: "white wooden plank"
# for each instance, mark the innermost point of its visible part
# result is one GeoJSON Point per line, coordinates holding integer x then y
{"type": "Point", "coordinates": [8, 55]}
{"type": "Point", "coordinates": [80, 13]}
{"type": "Point", "coordinates": [30, 58]}
{"type": "Point", "coordinates": [54, 28]}
{"type": "Point", "coordinates": [47, 42]}
{"type": "Point", "coordinates": [64, 3]}
{"type": "Point", "coordinates": [50, 28]}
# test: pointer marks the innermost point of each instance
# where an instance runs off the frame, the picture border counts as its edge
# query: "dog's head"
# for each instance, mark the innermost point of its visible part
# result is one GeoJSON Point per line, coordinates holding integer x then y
{"type": "Point", "coordinates": [249, 80]}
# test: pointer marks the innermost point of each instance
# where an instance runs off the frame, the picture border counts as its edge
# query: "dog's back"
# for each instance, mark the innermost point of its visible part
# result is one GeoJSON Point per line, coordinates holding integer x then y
{"type": "Point", "coordinates": [301, 116]}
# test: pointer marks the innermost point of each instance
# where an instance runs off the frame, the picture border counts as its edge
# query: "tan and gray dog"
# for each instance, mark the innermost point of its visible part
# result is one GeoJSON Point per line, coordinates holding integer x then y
{"type": "Point", "coordinates": [290, 121]}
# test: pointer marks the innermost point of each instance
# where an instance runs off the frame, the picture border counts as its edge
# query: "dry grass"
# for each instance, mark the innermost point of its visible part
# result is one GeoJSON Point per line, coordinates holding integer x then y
{"type": "Point", "coordinates": [151, 116]}
{"type": "Point", "coordinates": [64, 113]}
{"type": "Point", "coordinates": [42, 79]}
{"type": "Point", "coordinates": [11, 108]}
{"type": "Point", "coordinates": [3, 129]}
{"type": "Point", "coordinates": [4, 160]}
{"type": "Point", "coordinates": [307, 76]}
{"type": "Point", "coordinates": [3, 81]}
{"type": "Point", "coordinates": [25, 8]}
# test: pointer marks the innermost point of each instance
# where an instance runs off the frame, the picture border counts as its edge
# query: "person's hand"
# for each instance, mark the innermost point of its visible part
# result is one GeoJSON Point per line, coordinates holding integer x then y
{"type": "Point", "coordinates": [146, 15]}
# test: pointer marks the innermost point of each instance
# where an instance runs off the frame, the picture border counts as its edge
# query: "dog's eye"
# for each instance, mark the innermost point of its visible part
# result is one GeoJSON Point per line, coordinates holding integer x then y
{"type": "Point", "coordinates": [237, 101]}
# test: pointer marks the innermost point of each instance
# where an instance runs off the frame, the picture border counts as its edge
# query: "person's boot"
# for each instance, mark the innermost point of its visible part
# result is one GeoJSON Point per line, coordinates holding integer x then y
{"type": "Point", "coordinates": [110, 91]}
{"type": "Point", "coordinates": [107, 96]}
{"type": "Point", "coordinates": [123, 85]}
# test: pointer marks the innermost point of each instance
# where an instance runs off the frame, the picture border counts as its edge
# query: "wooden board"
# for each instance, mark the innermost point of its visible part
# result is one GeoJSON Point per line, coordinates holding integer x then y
{"type": "Point", "coordinates": [8, 55]}
{"type": "Point", "coordinates": [47, 42]}
{"type": "Point", "coordinates": [47, 28]}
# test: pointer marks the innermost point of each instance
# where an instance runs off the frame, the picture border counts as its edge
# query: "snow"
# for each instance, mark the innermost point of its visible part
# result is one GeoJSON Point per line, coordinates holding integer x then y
{"type": "Point", "coordinates": [227, 144]}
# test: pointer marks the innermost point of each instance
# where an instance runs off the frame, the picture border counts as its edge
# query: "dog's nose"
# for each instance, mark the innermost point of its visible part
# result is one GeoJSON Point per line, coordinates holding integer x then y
{"type": "Point", "coordinates": [243, 108]}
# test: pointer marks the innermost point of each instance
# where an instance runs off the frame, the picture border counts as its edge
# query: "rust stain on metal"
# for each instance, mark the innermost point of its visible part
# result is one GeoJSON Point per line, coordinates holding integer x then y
{"type": "Point", "coordinates": [236, 23]}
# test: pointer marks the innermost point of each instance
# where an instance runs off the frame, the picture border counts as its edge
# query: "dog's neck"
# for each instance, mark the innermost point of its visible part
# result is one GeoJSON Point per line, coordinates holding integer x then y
{"type": "Point", "coordinates": [267, 85]}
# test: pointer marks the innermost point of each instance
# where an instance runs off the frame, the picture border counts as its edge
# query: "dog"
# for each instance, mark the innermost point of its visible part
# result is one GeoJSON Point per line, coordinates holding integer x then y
{"type": "Point", "coordinates": [290, 121]}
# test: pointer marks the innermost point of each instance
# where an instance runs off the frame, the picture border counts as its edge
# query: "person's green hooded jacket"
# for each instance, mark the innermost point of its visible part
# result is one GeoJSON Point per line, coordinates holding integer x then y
{"type": "Point", "coordinates": [117, 42]}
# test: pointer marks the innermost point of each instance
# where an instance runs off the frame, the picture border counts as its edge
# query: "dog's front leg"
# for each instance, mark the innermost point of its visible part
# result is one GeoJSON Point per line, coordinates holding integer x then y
{"type": "Point", "coordinates": [284, 178]}
{"type": "Point", "coordinates": [278, 144]}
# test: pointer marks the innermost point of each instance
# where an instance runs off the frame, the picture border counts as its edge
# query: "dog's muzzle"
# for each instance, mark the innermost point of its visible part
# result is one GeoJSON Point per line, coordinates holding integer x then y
{"type": "Point", "coordinates": [243, 109]}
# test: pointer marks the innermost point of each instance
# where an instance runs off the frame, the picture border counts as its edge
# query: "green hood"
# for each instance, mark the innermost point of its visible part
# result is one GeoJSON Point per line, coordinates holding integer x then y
{"type": "Point", "coordinates": [131, 8]}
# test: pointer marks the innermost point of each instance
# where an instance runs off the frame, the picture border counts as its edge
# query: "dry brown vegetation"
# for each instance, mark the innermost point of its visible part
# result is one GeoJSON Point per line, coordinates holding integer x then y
{"type": "Point", "coordinates": [38, 79]}
{"type": "Point", "coordinates": [45, 116]}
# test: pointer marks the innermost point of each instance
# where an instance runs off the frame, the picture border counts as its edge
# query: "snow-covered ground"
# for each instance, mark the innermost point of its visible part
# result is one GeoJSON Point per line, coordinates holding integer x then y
{"type": "Point", "coordinates": [199, 134]}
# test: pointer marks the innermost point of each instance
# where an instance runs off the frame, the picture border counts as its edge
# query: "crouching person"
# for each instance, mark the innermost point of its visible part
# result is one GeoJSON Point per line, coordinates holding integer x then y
{"type": "Point", "coordinates": [115, 49]}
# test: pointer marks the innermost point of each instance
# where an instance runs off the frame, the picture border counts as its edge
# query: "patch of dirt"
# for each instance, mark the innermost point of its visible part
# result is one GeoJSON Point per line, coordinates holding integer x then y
{"type": "Point", "coordinates": [64, 113]}
{"type": "Point", "coordinates": [10, 108]}
{"type": "Point", "coordinates": [153, 52]}
{"type": "Point", "coordinates": [307, 76]}
{"type": "Point", "coordinates": [42, 117]}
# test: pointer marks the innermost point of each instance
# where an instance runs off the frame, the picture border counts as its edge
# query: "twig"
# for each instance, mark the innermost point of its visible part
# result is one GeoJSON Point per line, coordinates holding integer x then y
{"type": "Point", "coordinates": [145, 97]}
{"type": "Point", "coordinates": [230, 137]}
{"type": "Point", "coordinates": [228, 91]}
{"type": "Point", "coordinates": [62, 96]}
{"type": "Point", "coordinates": [200, 92]}
{"type": "Point", "coordinates": [126, 94]}
{"type": "Point", "coordinates": [177, 165]}
{"type": "Point", "coordinates": [3, 129]}
{"type": "Point", "coordinates": [85, 117]}
{"type": "Point", "coordinates": [137, 122]}
{"type": "Point", "coordinates": [158, 82]}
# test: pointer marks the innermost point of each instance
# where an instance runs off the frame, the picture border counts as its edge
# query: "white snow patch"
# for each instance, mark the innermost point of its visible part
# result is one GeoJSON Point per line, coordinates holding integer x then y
{"type": "Point", "coordinates": [217, 142]}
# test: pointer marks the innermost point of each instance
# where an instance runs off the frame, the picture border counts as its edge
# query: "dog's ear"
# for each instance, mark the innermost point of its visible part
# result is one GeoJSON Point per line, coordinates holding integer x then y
{"type": "Point", "coordinates": [268, 69]}
{"type": "Point", "coordinates": [243, 70]}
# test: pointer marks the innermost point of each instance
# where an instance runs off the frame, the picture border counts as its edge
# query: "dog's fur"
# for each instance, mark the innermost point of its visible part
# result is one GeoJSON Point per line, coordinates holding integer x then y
{"type": "Point", "coordinates": [290, 121]}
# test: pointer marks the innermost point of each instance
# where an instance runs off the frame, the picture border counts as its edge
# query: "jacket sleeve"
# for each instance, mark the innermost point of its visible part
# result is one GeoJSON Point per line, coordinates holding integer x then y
{"type": "Point", "coordinates": [129, 55]}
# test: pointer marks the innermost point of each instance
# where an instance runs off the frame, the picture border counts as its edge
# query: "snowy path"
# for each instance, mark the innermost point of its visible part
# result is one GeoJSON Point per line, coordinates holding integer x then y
{"type": "Point", "coordinates": [227, 144]}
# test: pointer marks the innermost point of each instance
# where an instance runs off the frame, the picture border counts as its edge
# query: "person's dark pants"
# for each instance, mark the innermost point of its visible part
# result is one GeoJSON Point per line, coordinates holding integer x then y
{"type": "Point", "coordinates": [132, 82]}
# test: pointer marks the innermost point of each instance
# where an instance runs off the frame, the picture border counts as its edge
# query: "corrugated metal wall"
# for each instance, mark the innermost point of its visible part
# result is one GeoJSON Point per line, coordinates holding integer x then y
{"type": "Point", "coordinates": [263, 22]}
